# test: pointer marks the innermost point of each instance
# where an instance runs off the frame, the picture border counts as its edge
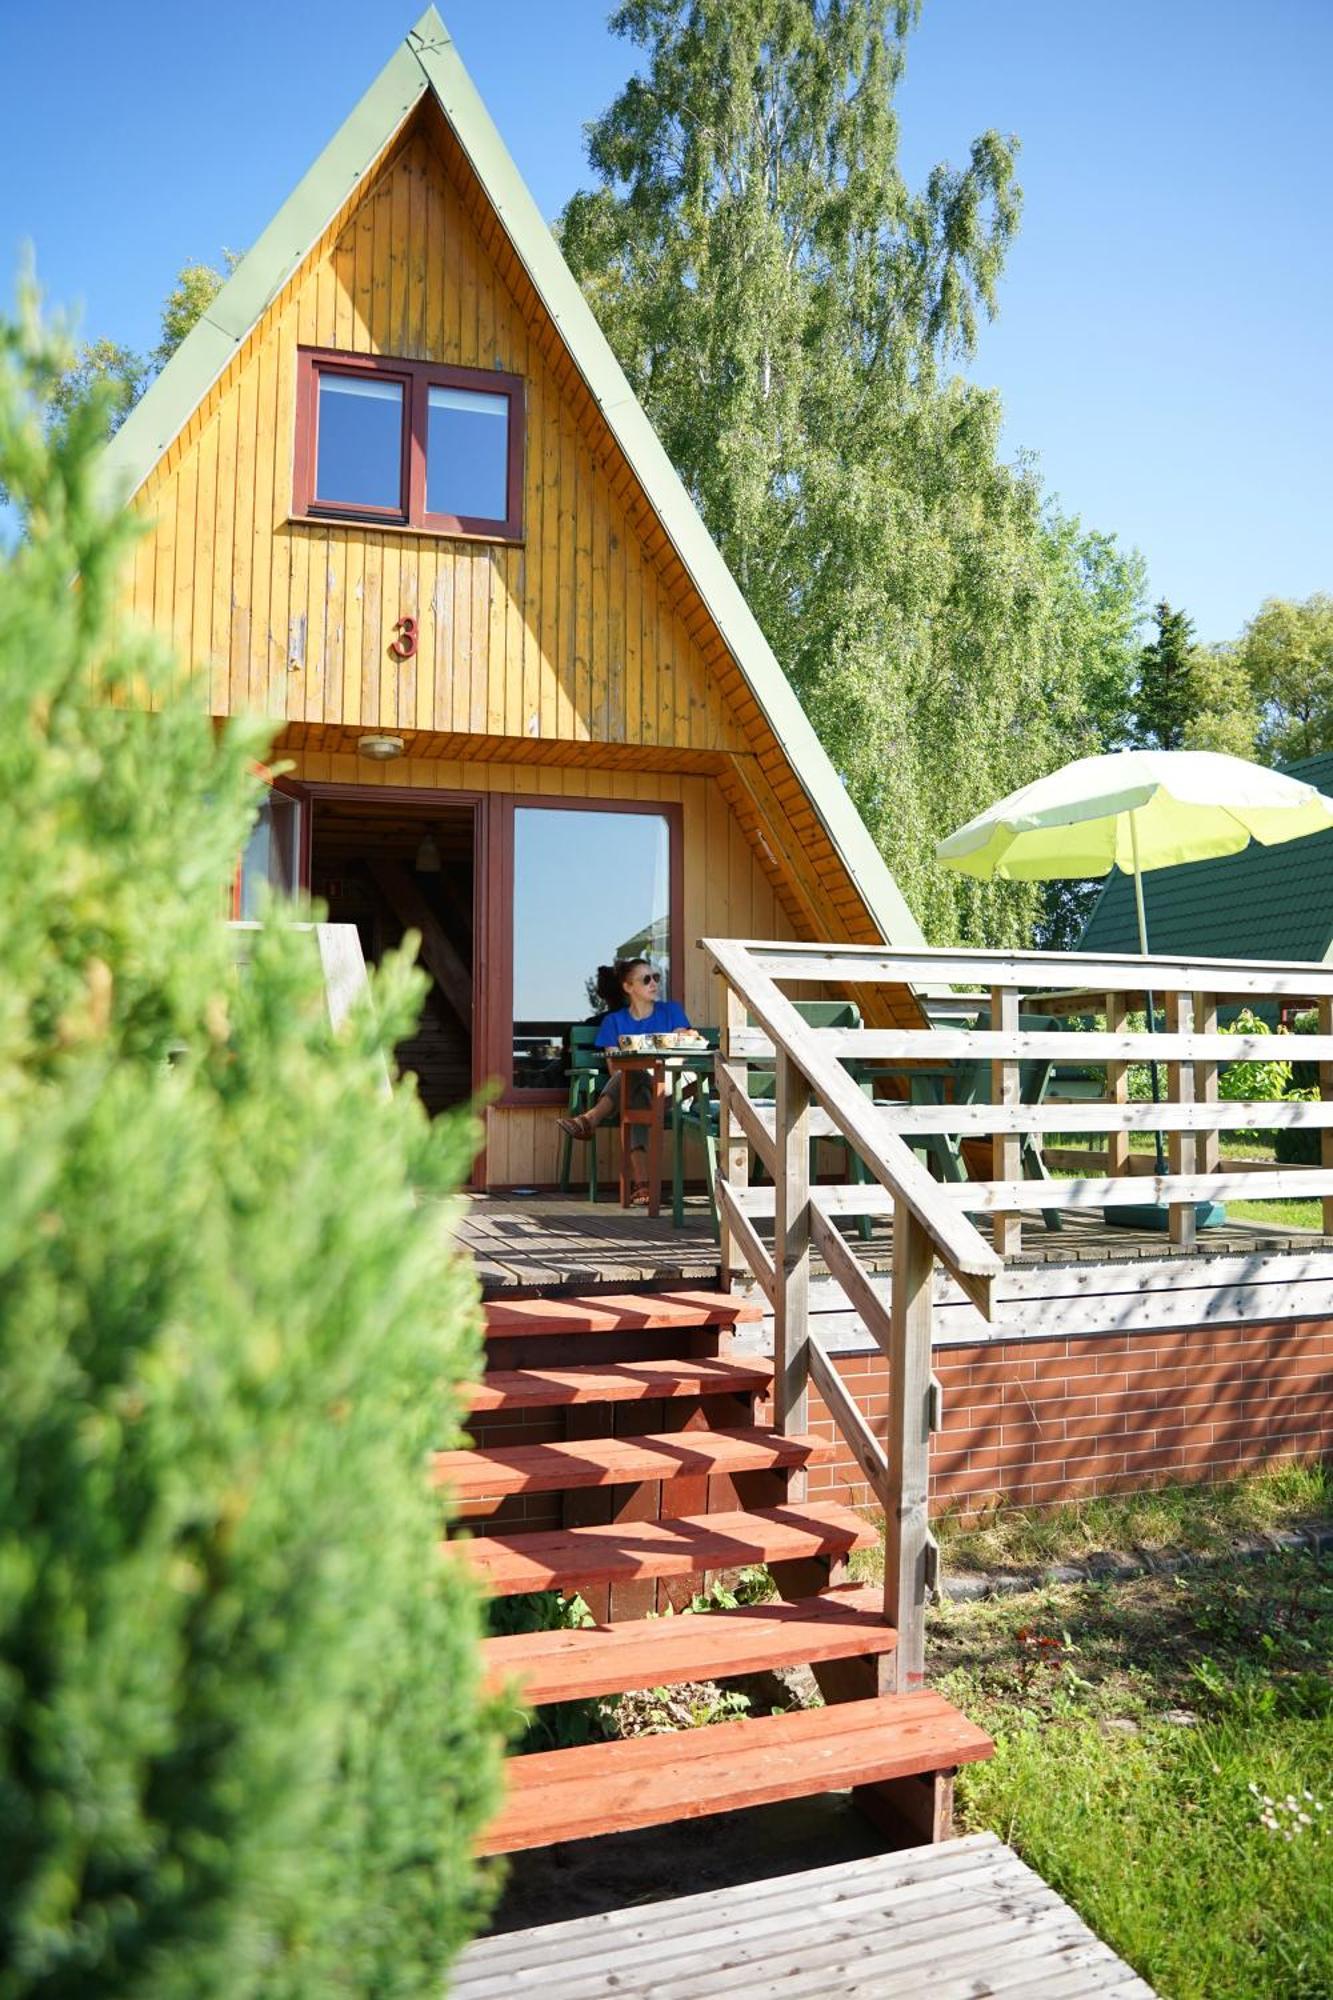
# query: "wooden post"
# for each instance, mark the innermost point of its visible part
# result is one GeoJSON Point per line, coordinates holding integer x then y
{"type": "Point", "coordinates": [1208, 1146]}
{"type": "Point", "coordinates": [733, 1150]}
{"type": "Point", "coordinates": [1117, 1086]}
{"type": "Point", "coordinates": [907, 1522]}
{"type": "Point", "coordinates": [1006, 1147]}
{"type": "Point", "coordinates": [1325, 1093]}
{"type": "Point", "coordinates": [1180, 1091]}
{"type": "Point", "coordinates": [791, 1245]}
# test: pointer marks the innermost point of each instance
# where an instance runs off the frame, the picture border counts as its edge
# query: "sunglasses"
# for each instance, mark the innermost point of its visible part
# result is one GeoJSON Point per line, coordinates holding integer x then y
{"type": "Point", "coordinates": [647, 979]}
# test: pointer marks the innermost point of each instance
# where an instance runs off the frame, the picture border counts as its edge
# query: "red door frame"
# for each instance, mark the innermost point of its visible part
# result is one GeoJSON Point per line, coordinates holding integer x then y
{"type": "Point", "coordinates": [314, 790]}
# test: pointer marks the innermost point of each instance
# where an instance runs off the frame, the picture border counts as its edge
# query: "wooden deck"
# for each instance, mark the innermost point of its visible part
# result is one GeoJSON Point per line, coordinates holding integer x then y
{"type": "Point", "coordinates": [961, 1921]}
{"type": "Point", "coordinates": [552, 1242]}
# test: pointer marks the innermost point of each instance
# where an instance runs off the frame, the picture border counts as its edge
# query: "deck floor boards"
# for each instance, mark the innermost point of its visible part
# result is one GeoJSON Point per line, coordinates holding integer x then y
{"type": "Point", "coordinates": [961, 1920]}
{"type": "Point", "coordinates": [553, 1242]}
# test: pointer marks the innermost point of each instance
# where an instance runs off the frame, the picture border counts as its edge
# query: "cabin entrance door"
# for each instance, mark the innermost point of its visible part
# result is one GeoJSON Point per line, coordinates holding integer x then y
{"type": "Point", "coordinates": [390, 860]}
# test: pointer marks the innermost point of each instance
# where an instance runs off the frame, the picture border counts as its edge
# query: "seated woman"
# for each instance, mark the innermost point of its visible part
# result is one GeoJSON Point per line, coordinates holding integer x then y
{"type": "Point", "coordinates": [630, 989]}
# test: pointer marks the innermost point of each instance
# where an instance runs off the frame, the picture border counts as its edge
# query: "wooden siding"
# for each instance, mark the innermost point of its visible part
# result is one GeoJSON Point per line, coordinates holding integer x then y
{"type": "Point", "coordinates": [727, 890]}
{"type": "Point", "coordinates": [572, 634]}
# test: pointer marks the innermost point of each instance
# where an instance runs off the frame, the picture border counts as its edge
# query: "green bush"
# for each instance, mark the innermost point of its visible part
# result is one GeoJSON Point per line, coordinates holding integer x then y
{"type": "Point", "coordinates": [242, 1748]}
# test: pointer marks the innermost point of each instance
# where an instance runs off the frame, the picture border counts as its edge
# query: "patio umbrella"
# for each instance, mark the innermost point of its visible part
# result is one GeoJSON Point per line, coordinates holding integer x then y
{"type": "Point", "coordinates": [1136, 810]}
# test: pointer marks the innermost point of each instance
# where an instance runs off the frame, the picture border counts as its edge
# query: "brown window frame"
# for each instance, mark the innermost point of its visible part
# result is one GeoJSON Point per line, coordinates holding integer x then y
{"type": "Point", "coordinates": [500, 921]}
{"type": "Point", "coordinates": [418, 379]}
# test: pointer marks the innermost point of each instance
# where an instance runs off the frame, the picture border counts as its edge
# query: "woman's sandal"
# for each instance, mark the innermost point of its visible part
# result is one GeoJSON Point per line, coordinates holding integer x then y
{"type": "Point", "coordinates": [578, 1127]}
{"type": "Point", "coordinates": [639, 1194]}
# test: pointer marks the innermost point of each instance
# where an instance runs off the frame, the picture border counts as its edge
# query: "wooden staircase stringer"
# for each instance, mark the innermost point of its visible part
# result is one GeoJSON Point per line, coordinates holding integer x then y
{"type": "Point", "coordinates": [582, 1391]}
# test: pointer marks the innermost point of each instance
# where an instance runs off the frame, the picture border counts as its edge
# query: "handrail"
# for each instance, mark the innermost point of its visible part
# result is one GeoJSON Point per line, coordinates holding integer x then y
{"type": "Point", "coordinates": [818, 1096]}
{"type": "Point", "coordinates": [1109, 972]}
{"type": "Point", "coordinates": [863, 1123]}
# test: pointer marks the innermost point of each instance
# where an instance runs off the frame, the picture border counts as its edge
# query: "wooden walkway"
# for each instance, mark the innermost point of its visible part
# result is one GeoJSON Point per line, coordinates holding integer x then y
{"type": "Point", "coordinates": [553, 1242]}
{"type": "Point", "coordinates": [960, 1921]}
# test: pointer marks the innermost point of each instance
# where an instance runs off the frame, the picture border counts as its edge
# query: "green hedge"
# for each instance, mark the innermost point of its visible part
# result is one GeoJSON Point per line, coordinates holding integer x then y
{"type": "Point", "coordinates": [242, 1748]}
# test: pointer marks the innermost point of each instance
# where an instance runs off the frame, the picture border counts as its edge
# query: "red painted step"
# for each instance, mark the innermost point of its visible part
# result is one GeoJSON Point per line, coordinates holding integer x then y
{"type": "Point", "coordinates": [646, 1780]}
{"type": "Point", "coordinates": [572, 1558]}
{"type": "Point", "coordinates": [619, 1382]}
{"type": "Point", "coordinates": [616, 1312]}
{"type": "Point", "coordinates": [487, 1473]}
{"type": "Point", "coordinates": [841, 1624]}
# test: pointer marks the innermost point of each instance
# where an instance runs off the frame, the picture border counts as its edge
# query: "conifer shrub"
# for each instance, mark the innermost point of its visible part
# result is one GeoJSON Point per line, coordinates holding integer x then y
{"type": "Point", "coordinates": [242, 1747]}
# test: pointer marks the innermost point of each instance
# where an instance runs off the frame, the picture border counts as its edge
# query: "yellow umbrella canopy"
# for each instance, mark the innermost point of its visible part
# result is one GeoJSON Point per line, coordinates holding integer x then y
{"type": "Point", "coordinates": [1135, 810]}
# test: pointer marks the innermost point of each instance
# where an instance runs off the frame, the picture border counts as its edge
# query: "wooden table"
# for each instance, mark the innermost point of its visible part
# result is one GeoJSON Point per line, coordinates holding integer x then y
{"type": "Point", "coordinates": [659, 1064]}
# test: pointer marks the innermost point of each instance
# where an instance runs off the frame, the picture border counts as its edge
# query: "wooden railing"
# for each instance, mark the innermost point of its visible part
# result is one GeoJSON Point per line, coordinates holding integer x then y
{"type": "Point", "coordinates": [817, 1096]}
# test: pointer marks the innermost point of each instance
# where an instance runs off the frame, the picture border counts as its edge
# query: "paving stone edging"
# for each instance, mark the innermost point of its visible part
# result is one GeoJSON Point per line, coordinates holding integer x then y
{"type": "Point", "coordinates": [1315, 1538]}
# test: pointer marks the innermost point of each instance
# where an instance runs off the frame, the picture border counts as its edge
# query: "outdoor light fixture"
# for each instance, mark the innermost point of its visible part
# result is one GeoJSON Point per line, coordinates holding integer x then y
{"type": "Point", "coordinates": [428, 860]}
{"type": "Point", "coordinates": [381, 748]}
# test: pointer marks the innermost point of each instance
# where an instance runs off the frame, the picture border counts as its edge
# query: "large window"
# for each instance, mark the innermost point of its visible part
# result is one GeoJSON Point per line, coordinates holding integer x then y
{"type": "Point", "coordinates": [588, 886]}
{"type": "Point", "coordinates": [274, 853]}
{"type": "Point", "coordinates": [409, 444]}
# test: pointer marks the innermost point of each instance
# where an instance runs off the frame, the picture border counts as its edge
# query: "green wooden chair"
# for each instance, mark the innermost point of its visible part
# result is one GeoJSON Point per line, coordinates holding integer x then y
{"type": "Point", "coordinates": [972, 1085]}
{"type": "Point", "coordinates": [587, 1074]}
{"type": "Point", "coordinates": [702, 1114]}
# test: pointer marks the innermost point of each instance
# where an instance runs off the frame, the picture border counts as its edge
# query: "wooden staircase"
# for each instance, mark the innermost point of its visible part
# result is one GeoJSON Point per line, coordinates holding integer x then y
{"type": "Point", "coordinates": [617, 1455]}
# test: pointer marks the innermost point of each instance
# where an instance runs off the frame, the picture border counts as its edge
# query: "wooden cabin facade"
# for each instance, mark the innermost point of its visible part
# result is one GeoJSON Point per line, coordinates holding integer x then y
{"type": "Point", "coordinates": [522, 612]}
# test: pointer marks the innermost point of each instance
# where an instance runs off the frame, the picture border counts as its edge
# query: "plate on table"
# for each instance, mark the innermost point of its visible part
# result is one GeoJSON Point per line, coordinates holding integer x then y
{"type": "Point", "coordinates": [676, 1042]}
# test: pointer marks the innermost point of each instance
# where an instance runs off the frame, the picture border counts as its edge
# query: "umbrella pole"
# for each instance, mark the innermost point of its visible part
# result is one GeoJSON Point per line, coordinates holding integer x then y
{"type": "Point", "coordinates": [1158, 1144]}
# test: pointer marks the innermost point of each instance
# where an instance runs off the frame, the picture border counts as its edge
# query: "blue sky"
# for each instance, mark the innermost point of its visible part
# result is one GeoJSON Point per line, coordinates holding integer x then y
{"type": "Point", "coordinates": [1163, 340]}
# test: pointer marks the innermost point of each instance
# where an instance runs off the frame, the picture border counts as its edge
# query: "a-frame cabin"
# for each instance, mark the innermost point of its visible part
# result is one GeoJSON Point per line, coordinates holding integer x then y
{"type": "Point", "coordinates": [400, 498]}
{"type": "Point", "coordinates": [403, 500]}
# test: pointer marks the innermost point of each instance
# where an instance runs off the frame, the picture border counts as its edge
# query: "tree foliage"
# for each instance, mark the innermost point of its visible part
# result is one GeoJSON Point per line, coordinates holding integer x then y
{"type": "Point", "coordinates": [1226, 715]}
{"type": "Point", "coordinates": [118, 371]}
{"type": "Point", "coordinates": [790, 311]}
{"type": "Point", "coordinates": [1286, 654]}
{"type": "Point", "coordinates": [1166, 700]}
{"type": "Point", "coordinates": [243, 1755]}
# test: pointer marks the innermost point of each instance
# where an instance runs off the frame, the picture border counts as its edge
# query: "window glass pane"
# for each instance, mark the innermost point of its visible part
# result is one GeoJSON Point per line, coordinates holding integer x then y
{"type": "Point", "coordinates": [271, 851]}
{"type": "Point", "coordinates": [467, 455]}
{"type": "Point", "coordinates": [360, 441]}
{"type": "Point", "coordinates": [589, 887]}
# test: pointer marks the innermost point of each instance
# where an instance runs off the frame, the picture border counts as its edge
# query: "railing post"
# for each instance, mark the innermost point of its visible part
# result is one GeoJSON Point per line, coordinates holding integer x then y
{"type": "Point", "coordinates": [791, 1246]}
{"type": "Point", "coordinates": [1006, 1147]}
{"type": "Point", "coordinates": [733, 1150]}
{"type": "Point", "coordinates": [1117, 1087]}
{"type": "Point", "coordinates": [907, 1521]}
{"type": "Point", "coordinates": [1180, 1091]}
{"type": "Point", "coordinates": [1326, 1092]}
{"type": "Point", "coordinates": [1208, 1146]}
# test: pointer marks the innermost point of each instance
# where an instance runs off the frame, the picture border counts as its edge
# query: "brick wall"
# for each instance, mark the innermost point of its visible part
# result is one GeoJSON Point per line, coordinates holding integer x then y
{"type": "Point", "coordinates": [1040, 1421]}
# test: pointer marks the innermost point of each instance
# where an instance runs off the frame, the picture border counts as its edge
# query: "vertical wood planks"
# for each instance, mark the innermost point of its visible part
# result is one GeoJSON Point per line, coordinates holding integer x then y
{"type": "Point", "coordinates": [791, 1243]}
{"type": "Point", "coordinates": [575, 634]}
{"type": "Point", "coordinates": [1117, 1086]}
{"type": "Point", "coordinates": [733, 1152]}
{"type": "Point", "coordinates": [907, 1521]}
{"type": "Point", "coordinates": [1208, 1145]}
{"type": "Point", "coordinates": [1006, 1147]}
{"type": "Point", "coordinates": [1180, 1145]}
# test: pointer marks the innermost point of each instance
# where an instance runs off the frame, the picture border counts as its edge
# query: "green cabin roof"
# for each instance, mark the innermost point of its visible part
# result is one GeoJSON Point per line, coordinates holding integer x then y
{"type": "Point", "coordinates": [1265, 902]}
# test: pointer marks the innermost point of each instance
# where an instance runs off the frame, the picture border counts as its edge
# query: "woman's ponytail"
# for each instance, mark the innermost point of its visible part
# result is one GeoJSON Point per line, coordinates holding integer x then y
{"type": "Point", "coordinates": [611, 981]}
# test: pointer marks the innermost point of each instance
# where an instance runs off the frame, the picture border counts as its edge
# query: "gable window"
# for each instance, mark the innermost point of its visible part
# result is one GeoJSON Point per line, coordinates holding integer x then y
{"type": "Point", "coordinates": [409, 444]}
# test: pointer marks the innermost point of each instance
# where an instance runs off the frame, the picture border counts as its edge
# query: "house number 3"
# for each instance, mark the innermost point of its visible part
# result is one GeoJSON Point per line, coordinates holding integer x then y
{"type": "Point", "coordinates": [405, 644]}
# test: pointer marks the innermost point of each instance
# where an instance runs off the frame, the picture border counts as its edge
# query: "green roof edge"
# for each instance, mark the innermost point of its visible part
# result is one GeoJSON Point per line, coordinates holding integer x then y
{"type": "Point", "coordinates": [174, 395]}
{"type": "Point", "coordinates": [428, 57]}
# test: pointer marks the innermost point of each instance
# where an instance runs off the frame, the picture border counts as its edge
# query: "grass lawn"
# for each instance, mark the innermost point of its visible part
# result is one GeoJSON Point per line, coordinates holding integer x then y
{"type": "Point", "coordinates": [1165, 1760]}
{"type": "Point", "coordinates": [1188, 1517]}
{"type": "Point", "coordinates": [1164, 1745]}
{"type": "Point", "coordinates": [1240, 1146]}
